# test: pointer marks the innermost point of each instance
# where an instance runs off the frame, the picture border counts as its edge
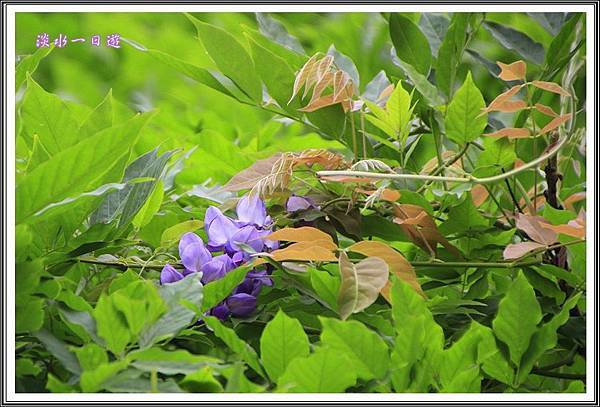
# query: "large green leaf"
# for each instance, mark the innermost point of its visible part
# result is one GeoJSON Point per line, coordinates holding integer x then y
{"type": "Point", "coordinates": [29, 64]}
{"type": "Point", "coordinates": [111, 325]}
{"type": "Point", "coordinates": [275, 31]}
{"type": "Point", "coordinates": [169, 362]}
{"type": "Point", "coordinates": [518, 315]}
{"type": "Point", "coordinates": [366, 349]}
{"type": "Point", "coordinates": [411, 45]}
{"type": "Point", "coordinates": [282, 340]}
{"type": "Point", "coordinates": [100, 118]}
{"type": "Point", "coordinates": [434, 26]}
{"type": "Point", "coordinates": [516, 41]}
{"type": "Point", "coordinates": [77, 169]}
{"type": "Point", "coordinates": [59, 350]}
{"type": "Point", "coordinates": [325, 371]}
{"type": "Point", "coordinates": [450, 52]}
{"type": "Point", "coordinates": [464, 121]}
{"type": "Point", "coordinates": [230, 57]}
{"type": "Point", "coordinates": [48, 117]}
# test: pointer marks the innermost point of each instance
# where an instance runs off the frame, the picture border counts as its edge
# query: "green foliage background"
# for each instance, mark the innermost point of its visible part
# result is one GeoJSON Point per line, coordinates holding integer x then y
{"type": "Point", "coordinates": [90, 328]}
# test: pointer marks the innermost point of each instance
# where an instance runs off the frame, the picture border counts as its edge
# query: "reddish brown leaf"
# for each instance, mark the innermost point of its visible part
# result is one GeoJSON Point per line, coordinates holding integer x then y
{"type": "Point", "coordinates": [506, 106]}
{"type": "Point", "coordinates": [517, 250]}
{"type": "Point", "coordinates": [479, 194]}
{"type": "Point", "coordinates": [390, 195]}
{"type": "Point", "coordinates": [307, 71]}
{"type": "Point", "coordinates": [512, 72]}
{"type": "Point", "coordinates": [547, 110]}
{"type": "Point", "coordinates": [424, 233]}
{"type": "Point", "coordinates": [327, 159]}
{"type": "Point", "coordinates": [571, 229]}
{"type": "Point", "coordinates": [557, 121]}
{"type": "Point", "coordinates": [246, 179]}
{"type": "Point", "coordinates": [550, 87]}
{"type": "Point", "coordinates": [510, 132]}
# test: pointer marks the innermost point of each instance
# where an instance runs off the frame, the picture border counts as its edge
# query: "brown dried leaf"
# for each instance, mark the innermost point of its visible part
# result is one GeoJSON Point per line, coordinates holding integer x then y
{"type": "Point", "coordinates": [512, 72]}
{"type": "Point", "coordinates": [547, 110]}
{"type": "Point", "coordinates": [550, 87]}
{"type": "Point", "coordinates": [510, 132]}
{"type": "Point", "coordinates": [396, 262]}
{"type": "Point", "coordinates": [517, 250]}
{"type": "Point", "coordinates": [532, 225]}
{"type": "Point", "coordinates": [557, 121]}
{"type": "Point", "coordinates": [424, 233]}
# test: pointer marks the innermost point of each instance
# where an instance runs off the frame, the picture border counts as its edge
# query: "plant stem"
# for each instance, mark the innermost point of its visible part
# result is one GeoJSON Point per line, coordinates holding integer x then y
{"type": "Point", "coordinates": [558, 375]}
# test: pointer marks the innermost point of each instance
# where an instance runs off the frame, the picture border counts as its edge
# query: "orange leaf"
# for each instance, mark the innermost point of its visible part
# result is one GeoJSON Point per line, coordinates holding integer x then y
{"type": "Point", "coordinates": [550, 87]}
{"type": "Point", "coordinates": [396, 262]}
{"type": "Point", "coordinates": [303, 234]}
{"type": "Point", "coordinates": [511, 72]}
{"type": "Point", "coordinates": [307, 71]}
{"type": "Point", "coordinates": [576, 197]}
{"type": "Point", "coordinates": [547, 110]}
{"type": "Point", "coordinates": [390, 195]}
{"type": "Point", "coordinates": [479, 194]}
{"type": "Point", "coordinates": [510, 132]}
{"type": "Point", "coordinates": [305, 251]}
{"type": "Point", "coordinates": [557, 121]}
{"type": "Point", "coordinates": [246, 179]}
{"type": "Point", "coordinates": [571, 229]}
{"type": "Point", "coordinates": [506, 106]}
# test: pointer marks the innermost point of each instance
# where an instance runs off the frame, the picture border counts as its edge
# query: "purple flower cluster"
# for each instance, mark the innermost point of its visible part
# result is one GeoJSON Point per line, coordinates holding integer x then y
{"type": "Point", "coordinates": [230, 240]}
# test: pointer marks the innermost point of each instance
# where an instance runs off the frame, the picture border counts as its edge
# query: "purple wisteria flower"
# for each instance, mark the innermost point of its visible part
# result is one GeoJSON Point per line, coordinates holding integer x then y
{"type": "Point", "coordinates": [230, 243]}
{"type": "Point", "coordinates": [299, 203]}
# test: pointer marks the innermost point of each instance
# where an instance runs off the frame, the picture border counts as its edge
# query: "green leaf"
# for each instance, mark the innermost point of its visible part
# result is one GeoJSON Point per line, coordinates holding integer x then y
{"type": "Point", "coordinates": [493, 362]}
{"type": "Point", "coordinates": [47, 116]}
{"type": "Point", "coordinates": [361, 283]}
{"type": "Point", "coordinates": [325, 371]}
{"type": "Point", "coordinates": [557, 216]}
{"type": "Point", "coordinates": [77, 169]}
{"type": "Point", "coordinates": [276, 74]}
{"type": "Point", "coordinates": [150, 207]}
{"type": "Point", "coordinates": [366, 350]}
{"type": "Point", "coordinates": [463, 217]}
{"type": "Point", "coordinates": [450, 52]}
{"type": "Point", "coordinates": [172, 235]}
{"type": "Point", "coordinates": [562, 42]}
{"type": "Point", "coordinates": [516, 41]}
{"type": "Point", "coordinates": [419, 340]}
{"type": "Point", "coordinates": [29, 314]}
{"type": "Point", "coordinates": [238, 346]}
{"type": "Point", "coordinates": [59, 350]}
{"type": "Point", "coordinates": [111, 325]}
{"type": "Point", "coordinates": [325, 286]}
{"type": "Point", "coordinates": [92, 381]}
{"type": "Point", "coordinates": [518, 316]}
{"type": "Point", "coordinates": [140, 303]}
{"type": "Point", "coordinates": [217, 290]}
{"type": "Point", "coordinates": [29, 64]}
{"type": "Point", "coordinates": [169, 362]}
{"type": "Point", "coordinates": [545, 338]}
{"type": "Point", "coordinates": [420, 82]}
{"type": "Point", "coordinates": [346, 64]}
{"type": "Point", "coordinates": [274, 30]}
{"type": "Point", "coordinates": [282, 340]}
{"type": "Point", "coordinates": [463, 121]}
{"type": "Point", "coordinates": [201, 381]}
{"type": "Point", "coordinates": [178, 315]}
{"type": "Point", "coordinates": [26, 367]}
{"type": "Point", "coordinates": [411, 45]}
{"type": "Point", "coordinates": [90, 356]}
{"type": "Point", "coordinates": [102, 117]}
{"type": "Point", "coordinates": [497, 153]}
{"type": "Point", "coordinates": [230, 57]}
{"type": "Point", "coordinates": [434, 26]}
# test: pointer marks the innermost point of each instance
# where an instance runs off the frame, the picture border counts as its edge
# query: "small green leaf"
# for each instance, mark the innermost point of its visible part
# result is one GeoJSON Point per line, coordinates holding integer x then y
{"type": "Point", "coordinates": [366, 350]}
{"type": "Point", "coordinates": [282, 340]}
{"type": "Point", "coordinates": [29, 65]}
{"type": "Point", "coordinates": [91, 356]}
{"type": "Point", "coordinates": [100, 118]}
{"type": "Point", "coordinates": [518, 316]}
{"type": "Point", "coordinates": [463, 121]}
{"type": "Point", "coordinates": [325, 371]}
{"type": "Point", "coordinates": [150, 207]}
{"type": "Point", "coordinates": [91, 381]}
{"type": "Point", "coordinates": [217, 290]}
{"type": "Point", "coordinates": [172, 235]}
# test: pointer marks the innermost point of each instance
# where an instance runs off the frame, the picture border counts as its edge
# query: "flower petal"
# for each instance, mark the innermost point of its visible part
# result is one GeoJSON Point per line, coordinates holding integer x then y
{"type": "Point", "coordinates": [194, 256]}
{"type": "Point", "coordinates": [241, 305]}
{"type": "Point", "coordinates": [251, 210]}
{"type": "Point", "coordinates": [219, 227]}
{"type": "Point", "coordinates": [169, 275]}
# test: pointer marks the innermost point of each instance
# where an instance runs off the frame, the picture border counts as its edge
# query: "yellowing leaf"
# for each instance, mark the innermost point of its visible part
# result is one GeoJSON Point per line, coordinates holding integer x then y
{"type": "Point", "coordinates": [302, 234]}
{"type": "Point", "coordinates": [550, 87]}
{"type": "Point", "coordinates": [510, 132]}
{"type": "Point", "coordinates": [555, 123]}
{"type": "Point", "coordinates": [512, 72]}
{"type": "Point", "coordinates": [395, 261]}
{"type": "Point", "coordinates": [361, 283]}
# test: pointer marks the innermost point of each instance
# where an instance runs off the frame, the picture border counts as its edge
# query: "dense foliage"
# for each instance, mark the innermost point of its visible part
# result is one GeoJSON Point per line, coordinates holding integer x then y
{"type": "Point", "coordinates": [301, 203]}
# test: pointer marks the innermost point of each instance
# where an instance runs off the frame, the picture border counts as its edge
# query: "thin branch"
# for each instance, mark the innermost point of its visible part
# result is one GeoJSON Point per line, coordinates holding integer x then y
{"type": "Point", "coordinates": [467, 179]}
{"type": "Point", "coordinates": [558, 375]}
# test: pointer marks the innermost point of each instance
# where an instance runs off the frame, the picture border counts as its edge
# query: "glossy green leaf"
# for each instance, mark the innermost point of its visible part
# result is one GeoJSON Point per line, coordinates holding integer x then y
{"type": "Point", "coordinates": [411, 45]}
{"type": "Point", "coordinates": [464, 122]}
{"type": "Point", "coordinates": [516, 41]}
{"type": "Point", "coordinates": [217, 290]}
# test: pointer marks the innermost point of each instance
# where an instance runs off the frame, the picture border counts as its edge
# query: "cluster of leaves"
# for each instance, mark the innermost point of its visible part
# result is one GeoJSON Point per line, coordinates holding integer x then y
{"type": "Point", "coordinates": [439, 247]}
